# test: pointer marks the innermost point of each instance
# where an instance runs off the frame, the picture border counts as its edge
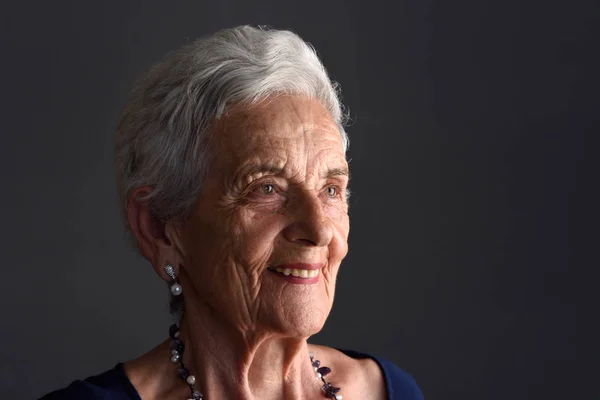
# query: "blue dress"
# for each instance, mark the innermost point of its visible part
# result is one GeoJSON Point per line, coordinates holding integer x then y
{"type": "Point", "coordinates": [114, 384]}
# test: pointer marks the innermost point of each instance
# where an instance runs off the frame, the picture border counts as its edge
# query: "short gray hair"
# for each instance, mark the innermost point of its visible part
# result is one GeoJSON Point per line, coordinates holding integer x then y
{"type": "Point", "coordinates": [162, 137]}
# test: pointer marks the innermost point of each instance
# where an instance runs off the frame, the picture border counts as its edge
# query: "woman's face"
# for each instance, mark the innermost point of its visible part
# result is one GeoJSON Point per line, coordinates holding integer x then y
{"type": "Point", "coordinates": [275, 197]}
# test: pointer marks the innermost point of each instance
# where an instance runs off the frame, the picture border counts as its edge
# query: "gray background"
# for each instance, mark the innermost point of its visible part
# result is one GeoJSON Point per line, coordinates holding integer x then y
{"type": "Point", "coordinates": [473, 151]}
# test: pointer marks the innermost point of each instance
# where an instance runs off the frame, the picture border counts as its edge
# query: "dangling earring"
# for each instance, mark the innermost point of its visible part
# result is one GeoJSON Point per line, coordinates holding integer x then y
{"type": "Point", "coordinates": [176, 288]}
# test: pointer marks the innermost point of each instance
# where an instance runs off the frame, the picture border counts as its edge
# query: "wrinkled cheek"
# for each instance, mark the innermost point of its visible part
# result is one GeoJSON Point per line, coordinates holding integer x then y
{"type": "Point", "coordinates": [257, 233]}
{"type": "Point", "coordinates": [339, 247]}
{"type": "Point", "coordinates": [329, 279]}
{"type": "Point", "coordinates": [253, 253]}
{"type": "Point", "coordinates": [337, 251]}
{"type": "Point", "coordinates": [211, 261]}
{"type": "Point", "coordinates": [249, 256]}
{"type": "Point", "coordinates": [232, 290]}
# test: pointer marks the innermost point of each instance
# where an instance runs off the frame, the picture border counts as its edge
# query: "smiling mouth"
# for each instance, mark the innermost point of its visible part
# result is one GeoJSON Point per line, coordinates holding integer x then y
{"type": "Point", "coordinates": [298, 273]}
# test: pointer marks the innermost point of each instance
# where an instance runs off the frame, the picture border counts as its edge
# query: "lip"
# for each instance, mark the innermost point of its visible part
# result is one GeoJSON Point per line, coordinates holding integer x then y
{"type": "Point", "coordinates": [294, 279]}
{"type": "Point", "coordinates": [302, 266]}
{"type": "Point", "coordinates": [307, 266]}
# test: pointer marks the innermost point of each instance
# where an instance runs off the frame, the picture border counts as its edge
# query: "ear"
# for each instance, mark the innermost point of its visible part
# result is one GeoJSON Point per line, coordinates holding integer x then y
{"type": "Point", "coordinates": [157, 241]}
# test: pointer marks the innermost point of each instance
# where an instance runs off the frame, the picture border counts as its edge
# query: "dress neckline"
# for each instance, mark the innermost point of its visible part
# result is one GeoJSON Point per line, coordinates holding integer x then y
{"type": "Point", "coordinates": [134, 395]}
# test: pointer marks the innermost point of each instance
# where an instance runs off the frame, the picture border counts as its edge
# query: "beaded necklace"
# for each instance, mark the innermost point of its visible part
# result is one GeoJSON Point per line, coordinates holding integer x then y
{"type": "Point", "coordinates": [177, 347]}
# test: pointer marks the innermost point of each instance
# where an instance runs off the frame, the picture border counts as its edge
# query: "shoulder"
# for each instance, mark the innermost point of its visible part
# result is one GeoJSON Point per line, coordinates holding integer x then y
{"type": "Point", "coordinates": [76, 390]}
{"type": "Point", "coordinates": [109, 385]}
{"type": "Point", "coordinates": [400, 384]}
{"type": "Point", "coordinates": [371, 376]}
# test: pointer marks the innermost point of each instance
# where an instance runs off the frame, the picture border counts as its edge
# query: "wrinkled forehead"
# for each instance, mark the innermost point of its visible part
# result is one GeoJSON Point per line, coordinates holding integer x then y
{"type": "Point", "coordinates": [292, 125]}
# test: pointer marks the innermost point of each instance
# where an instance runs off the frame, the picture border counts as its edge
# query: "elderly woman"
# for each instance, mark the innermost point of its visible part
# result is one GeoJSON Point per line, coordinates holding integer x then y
{"type": "Point", "coordinates": [233, 179]}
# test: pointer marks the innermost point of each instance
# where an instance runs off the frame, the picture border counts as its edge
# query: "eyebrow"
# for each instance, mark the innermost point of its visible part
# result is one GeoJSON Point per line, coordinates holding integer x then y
{"type": "Point", "coordinates": [275, 170]}
{"type": "Point", "coordinates": [261, 168]}
{"type": "Point", "coordinates": [337, 172]}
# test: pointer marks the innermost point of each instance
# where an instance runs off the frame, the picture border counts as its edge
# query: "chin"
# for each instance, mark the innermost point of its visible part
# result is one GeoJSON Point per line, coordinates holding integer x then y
{"type": "Point", "coordinates": [303, 322]}
{"type": "Point", "coordinates": [307, 327]}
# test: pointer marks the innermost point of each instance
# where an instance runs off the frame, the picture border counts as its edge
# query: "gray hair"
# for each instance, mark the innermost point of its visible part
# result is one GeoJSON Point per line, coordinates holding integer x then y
{"type": "Point", "coordinates": [162, 137]}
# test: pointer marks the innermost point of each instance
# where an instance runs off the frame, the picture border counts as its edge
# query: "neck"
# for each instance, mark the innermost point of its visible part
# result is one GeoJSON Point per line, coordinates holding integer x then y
{"type": "Point", "coordinates": [231, 363]}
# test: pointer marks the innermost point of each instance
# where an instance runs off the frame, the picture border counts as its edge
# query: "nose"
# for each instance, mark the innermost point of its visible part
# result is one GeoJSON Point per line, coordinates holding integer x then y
{"type": "Point", "coordinates": [309, 225]}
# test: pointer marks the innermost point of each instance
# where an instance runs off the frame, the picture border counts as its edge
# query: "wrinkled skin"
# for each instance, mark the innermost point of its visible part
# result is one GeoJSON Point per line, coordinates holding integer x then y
{"type": "Point", "coordinates": [275, 194]}
{"type": "Point", "coordinates": [248, 218]}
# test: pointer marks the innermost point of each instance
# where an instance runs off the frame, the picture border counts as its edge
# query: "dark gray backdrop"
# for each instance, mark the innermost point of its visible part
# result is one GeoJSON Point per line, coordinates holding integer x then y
{"type": "Point", "coordinates": [473, 183]}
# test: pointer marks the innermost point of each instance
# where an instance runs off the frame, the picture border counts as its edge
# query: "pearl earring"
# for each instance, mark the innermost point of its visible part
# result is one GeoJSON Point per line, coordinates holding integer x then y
{"type": "Point", "coordinates": [176, 288]}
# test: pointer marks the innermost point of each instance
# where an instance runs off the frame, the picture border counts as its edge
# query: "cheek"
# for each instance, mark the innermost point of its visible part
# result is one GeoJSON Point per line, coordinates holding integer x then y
{"type": "Point", "coordinates": [239, 239]}
{"type": "Point", "coordinates": [341, 229]}
{"type": "Point", "coordinates": [338, 248]}
{"type": "Point", "coordinates": [255, 235]}
{"type": "Point", "coordinates": [205, 247]}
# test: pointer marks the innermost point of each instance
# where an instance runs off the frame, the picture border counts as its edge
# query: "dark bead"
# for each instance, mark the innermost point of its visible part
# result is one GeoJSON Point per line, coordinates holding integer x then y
{"type": "Point", "coordinates": [177, 345]}
{"type": "Point", "coordinates": [173, 330]}
{"type": "Point", "coordinates": [183, 373]}
{"type": "Point", "coordinates": [316, 363]}
{"type": "Point", "coordinates": [324, 370]}
{"type": "Point", "coordinates": [330, 391]}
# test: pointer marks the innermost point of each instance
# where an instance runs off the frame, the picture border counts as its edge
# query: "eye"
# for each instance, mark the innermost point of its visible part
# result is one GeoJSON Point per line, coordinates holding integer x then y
{"type": "Point", "coordinates": [332, 191]}
{"type": "Point", "coordinates": [267, 188]}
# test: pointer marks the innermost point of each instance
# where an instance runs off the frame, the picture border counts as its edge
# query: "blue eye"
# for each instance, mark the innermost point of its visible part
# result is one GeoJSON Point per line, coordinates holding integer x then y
{"type": "Point", "coordinates": [267, 188]}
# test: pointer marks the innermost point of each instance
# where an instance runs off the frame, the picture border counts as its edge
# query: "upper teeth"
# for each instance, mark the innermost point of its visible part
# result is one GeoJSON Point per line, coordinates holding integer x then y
{"type": "Point", "coordinates": [300, 273]}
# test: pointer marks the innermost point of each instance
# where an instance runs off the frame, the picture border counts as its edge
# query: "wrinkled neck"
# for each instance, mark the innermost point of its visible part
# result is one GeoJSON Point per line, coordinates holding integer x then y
{"type": "Point", "coordinates": [245, 364]}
